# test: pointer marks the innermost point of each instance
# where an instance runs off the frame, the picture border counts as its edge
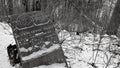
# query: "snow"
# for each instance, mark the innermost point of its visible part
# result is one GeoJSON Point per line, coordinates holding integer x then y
{"type": "Point", "coordinates": [63, 35]}
{"type": "Point", "coordinates": [5, 39]}
{"type": "Point", "coordinates": [56, 65]}
{"type": "Point", "coordinates": [80, 50]}
{"type": "Point", "coordinates": [47, 42]}
{"type": "Point", "coordinates": [41, 52]}
{"type": "Point", "coordinates": [23, 49]}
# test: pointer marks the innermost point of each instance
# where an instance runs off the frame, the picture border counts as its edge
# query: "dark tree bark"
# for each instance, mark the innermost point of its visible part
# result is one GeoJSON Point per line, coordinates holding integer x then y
{"type": "Point", "coordinates": [115, 20]}
{"type": "Point", "coordinates": [10, 7]}
{"type": "Point", "coordinates": [25, 3]}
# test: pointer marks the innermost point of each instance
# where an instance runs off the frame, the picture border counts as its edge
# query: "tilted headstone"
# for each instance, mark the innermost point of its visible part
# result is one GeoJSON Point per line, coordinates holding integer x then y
{"type": "Point", "coordinates": [36, 39]}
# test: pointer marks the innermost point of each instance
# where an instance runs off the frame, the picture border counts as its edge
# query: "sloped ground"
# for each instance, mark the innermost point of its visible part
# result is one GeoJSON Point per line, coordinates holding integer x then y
{"type": "Point", "coordinates": [80, 50]}
{"type": "Point", "coordinates": [6, 38]}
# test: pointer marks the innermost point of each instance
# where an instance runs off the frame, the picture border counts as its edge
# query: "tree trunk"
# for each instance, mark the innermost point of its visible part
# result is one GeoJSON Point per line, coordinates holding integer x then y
{"type": "Point", "coordinates": [115, 20]}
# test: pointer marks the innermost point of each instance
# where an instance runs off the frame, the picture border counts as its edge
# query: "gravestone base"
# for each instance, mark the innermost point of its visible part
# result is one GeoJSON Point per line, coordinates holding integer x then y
{"type": "Point", "coordinates": [53, 57]}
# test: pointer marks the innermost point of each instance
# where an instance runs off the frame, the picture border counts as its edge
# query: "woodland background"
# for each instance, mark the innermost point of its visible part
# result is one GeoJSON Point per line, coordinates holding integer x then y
{"type": "Point", "coordinates": [99, 16]}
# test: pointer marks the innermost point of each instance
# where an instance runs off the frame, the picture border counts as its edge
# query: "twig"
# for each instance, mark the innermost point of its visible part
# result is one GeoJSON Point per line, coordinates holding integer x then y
{"type": "Point", "coordinates": [93, 65]}
{"type": "Point", "coordinates": [108, 61]}
{"type": "Point", "coordinates": [98, 48]}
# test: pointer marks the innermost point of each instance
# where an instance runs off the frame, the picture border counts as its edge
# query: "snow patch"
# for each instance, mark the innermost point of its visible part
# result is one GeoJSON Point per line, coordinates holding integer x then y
{"type": "Point", "coordinates": [56, 65]}
{"type": "Point", "coordinates": [6, 38]}
{"type": "Point", "coordinates": [40, 52]}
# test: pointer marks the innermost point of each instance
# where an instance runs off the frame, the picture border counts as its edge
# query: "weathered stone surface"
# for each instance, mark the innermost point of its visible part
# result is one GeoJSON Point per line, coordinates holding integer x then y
{"type": "Point", "coordinates": [36, 39]}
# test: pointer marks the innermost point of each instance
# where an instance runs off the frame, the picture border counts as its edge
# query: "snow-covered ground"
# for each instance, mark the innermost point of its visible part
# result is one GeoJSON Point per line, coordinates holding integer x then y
{"type": "Point", "coordinates": [80, 50]}
{"type": "Point", "coordinates": [6, 38]}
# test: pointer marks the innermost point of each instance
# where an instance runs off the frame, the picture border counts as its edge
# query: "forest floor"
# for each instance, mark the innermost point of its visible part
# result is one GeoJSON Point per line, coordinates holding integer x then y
{"type": "Point", "coordinates": [86, 50]}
